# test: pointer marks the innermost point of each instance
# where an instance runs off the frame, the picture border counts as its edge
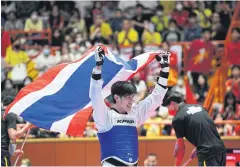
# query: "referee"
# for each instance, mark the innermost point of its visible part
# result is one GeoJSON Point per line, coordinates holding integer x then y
{"type": "Point", "coordinates": [193, 123]}
{"type": "Point", "coordinates": [9, 132]}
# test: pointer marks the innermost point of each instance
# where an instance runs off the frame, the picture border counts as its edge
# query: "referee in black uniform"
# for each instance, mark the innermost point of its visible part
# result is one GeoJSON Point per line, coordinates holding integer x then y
{"type": "Point", "coordinates": [9, 132]}
{"type": "Point", "coordinates": [193, 123]}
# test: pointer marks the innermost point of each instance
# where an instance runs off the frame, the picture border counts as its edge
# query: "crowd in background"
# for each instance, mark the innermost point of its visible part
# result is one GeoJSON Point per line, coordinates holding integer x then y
{"type": "Point", "coordinates": [129, 29]}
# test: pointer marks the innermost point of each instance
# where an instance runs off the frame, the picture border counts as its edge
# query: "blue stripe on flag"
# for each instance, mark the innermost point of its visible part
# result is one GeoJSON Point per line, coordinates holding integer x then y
{"type": "Point", "coordinates": [70, 98]}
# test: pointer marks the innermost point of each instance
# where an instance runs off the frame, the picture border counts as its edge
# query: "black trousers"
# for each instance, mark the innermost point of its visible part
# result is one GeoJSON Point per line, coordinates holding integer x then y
{"type": "Point", "coordinates": [219, 160]}
{"type": "Point", "coordinates": [5, 161]}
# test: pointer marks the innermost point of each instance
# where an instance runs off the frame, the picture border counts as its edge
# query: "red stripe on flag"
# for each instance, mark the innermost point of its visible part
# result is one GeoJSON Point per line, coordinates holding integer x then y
{"type": "Point", "coordinates": [150, 59]}
{"type": "Point", "coordinates": [78, 122]}
{"type": "Point", "coordinates": [38, 84]}
{"type": "Point", "coordinates": [42, 81]}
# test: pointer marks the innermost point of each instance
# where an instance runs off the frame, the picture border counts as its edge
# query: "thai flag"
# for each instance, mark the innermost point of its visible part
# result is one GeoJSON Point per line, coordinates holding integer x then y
{"type": "Point", "coordinates": [59, 99]}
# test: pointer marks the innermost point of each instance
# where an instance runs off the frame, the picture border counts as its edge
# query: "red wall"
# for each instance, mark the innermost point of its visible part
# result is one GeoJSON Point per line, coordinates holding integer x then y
{"type": "Point", "coordinates": [86, 152]}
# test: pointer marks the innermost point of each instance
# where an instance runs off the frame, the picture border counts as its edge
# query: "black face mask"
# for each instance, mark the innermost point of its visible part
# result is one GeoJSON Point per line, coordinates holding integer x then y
{"type": "Point", "coordinates": [17, 46]}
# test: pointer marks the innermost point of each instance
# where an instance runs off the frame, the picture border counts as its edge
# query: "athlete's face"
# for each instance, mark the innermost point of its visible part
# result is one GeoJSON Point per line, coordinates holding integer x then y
{"type": "Point", "coordinates": [126, 102]}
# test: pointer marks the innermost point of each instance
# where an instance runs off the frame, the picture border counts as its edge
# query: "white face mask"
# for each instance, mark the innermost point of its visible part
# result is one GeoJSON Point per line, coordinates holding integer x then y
{"type": "Point", "coordinates": [34, 17]}
{"type": "Point", "coordinates": [172, 29]}
{"type": "Point", "coordinates": [78, 40]}
{"type": "Point", "coordinates": [179, 7]}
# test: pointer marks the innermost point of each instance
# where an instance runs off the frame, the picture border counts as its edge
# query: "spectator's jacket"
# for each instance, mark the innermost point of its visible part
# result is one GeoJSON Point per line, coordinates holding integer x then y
{"type": "Point", "coordinates": [118, 132]}
{"type": "Point", "coordinates": [123, 37]}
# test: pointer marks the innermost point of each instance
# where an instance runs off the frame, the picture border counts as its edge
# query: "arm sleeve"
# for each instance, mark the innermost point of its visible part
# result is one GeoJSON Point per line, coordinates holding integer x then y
{"type": "Point", "coordinates": [11, 120]}
{"type": "Point", "coordinates": [100, 109]}
{"type": "Point", "coordinates": [178, 125]}
{"type": "Point", "coordinates": [146, 108]}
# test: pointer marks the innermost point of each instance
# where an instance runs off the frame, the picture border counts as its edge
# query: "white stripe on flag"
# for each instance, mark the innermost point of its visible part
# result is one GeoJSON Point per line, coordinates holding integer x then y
{"type": "Point", "coordinates": [50, 89]}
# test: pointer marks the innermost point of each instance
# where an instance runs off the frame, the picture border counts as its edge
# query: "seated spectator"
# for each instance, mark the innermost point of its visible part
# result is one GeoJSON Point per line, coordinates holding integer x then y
{"type": "Point", "coordinates": [57, 37]}
{"type": "Point", "coordinates": [138, 20]}
{"type": "Point", "coordinates": [204, 14]}
{"type": "Point", "coordinates": [45, 60]}
{"type": "Point", "coordinates": [8, 6]}
{"type": "Point", "coordinates": [233, 47]}
{"type": "Point", "coordinates": [109, 10]}
{"type": "Point", "coordinates": [229, 106]}
{"type": "Point", "coordinates": [76, 23]}
{"type": "Point", "coordinates": [56, 20]}
{"type": "Point", "coordinates": [34, 23]}
{"type": "Point", "coordinates": [141, 88]}
{"type": "Point", "coordinates": [160, 20]}
{"type": "Point", "coordinates": [218, 31]}
{"type": "Point", "coordinates": [193, 30]}
{"type": "Point", "coordinates": [173, 71]}
{"type": "Point", "coordinates": [117, 20]}
{"type": "Point", "coordinates": [225, 14]}
{"type": "Point", "coordinates": [20, 64]}
{"type": "Point", "coordinates": [100, 31]}
{"type": "Point", "coordinates": [233, 84]}
{"type": "Point", "coordinates": [201, 89]}
{"type": "Point", "coordinates": [151, 160]}
{"type": "Point", "coordinates": [172, 34]}
{"type": "Point", "coordinates": [150, 36]}
{"type": "Point", "coordinates": [13, 23]}
{"type": "Point", "coordinates": [128, 35]}
{"type": "Point", "coordinates": [180, 15]}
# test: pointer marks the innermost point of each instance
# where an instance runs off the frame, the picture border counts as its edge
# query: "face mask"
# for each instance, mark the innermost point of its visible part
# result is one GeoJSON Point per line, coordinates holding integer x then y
{"type": "Point", "coordinates": [8, 86]}
{"type": "Point", "coordinates": [79, 40]}
{"type": "Point", "coordinates": [46, 51]}
{"type": "Point", "coordinates": [34, 17]}
{"type": "Point", "coordinates": [179, 7]}
{"type": "Point", "coordinates": [159, 13]}
{"type": "Point", "coordinates": [22, 41]}
{"type": "Point", "coordinates": [171, 29]}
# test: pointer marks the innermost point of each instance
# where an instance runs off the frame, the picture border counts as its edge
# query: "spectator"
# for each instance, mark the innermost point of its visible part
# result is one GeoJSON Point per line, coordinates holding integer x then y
{"type": "Point", "coordinates": [57, 37]}
{"type": "Point", "coordinates": [56, 20]}
{"type": "Point", "coordinates": [109, 10]}
{"type": "Point", "coordinates": [141, 88]}
{"type": "Point", "coordinates": [138, 20]}
{"type": "Point", "coordinates": [66, 12]}
{"type": "Point", "coordinates": [200, 56]}
{"type": "Point", "coordinates": [160, 20]}
{"type": "Point", "coordinates": [150, 36]}
{"type": "Point", "coordinates": [116, 22]}
{"type": "Point", "coordinates": [8, 6]}
{"type": "Point", "coordinates": [77, 24]}
{"type": "Point", "coordinates": [128, 35]}
{"type": "Point", "coordinates": [225, 14]}
{"type": "Point", "coordinates": [45, 60]}
{"type": "Point", "coordinates": [180, 14]}
{"type": "Point", "coordinates": [34, 23]}
{"type": "Point", "coordinates": [172, 34]}
{"type": "Point", "coordinates": [201, 89]}
{"type": "Point", "coordinates": [218, 31]}
{"type": "Point", "coordinates": [193, 31]}
{"type": "Point", "coordinates": [151, 160]}
{"type": "Point", "coordinates": [173, 71]}
{"type": "Point", "coordinates": [13, 23]}
{"type": "Point", "coordinates": [229, 101]}
{"type": "Point", "coordinates": [100, 31]}
{"type": "Point", "coordinates": [233, 47]}
{"type": "Point", "coordinates": [233, 84]}
{"type": "Point", "coordinates": [204, 14]}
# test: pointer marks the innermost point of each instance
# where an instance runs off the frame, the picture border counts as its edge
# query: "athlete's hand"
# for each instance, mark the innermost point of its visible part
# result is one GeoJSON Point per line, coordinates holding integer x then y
{"type": "Point", "coordinates": [163, 57]}
{"type": "Point", "coordinates": [99, 55]}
